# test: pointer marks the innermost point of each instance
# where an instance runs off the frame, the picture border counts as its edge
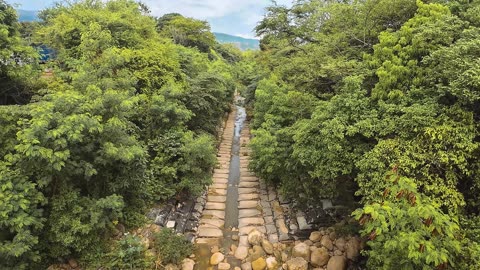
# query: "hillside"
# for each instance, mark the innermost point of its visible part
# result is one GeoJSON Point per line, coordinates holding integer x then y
{"type": "Point", "coordinates": [242, 43]}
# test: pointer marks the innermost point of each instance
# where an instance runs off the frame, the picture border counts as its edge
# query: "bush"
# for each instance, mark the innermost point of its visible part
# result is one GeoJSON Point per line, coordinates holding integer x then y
{"type": "Point", "coordinates": [172, 248]}
{"type": "Point", "coordinates": [407, 230]}
{"type": "Point", "coordinates": [129, 253]}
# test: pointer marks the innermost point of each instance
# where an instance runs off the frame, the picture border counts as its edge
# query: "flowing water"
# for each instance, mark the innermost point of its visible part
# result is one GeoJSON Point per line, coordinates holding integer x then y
{"type": "Point", "coordinates": [231, 205]}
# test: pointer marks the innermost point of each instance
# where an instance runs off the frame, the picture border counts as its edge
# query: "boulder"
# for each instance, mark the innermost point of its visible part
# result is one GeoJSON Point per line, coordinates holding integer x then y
{"type": "Point", "coordinates": [272, 263]}
{"type": "Point", "coordinates": [259, 264]}
{"type": "Point", "coordinates": [188, 264]}
{"type": "Point", "coordinates": [241, 253]}
{"type": "Point", "coordinates": [340, 243]}
{"type": "Point", "coordinates": [223, 266]}
{"type": "Point", "coordinates": [258, 252]}
{"type": "Point", "coordinates": [327, 242]}
{"type": "Point", "coordinates": [284, 257]}
{"type": "Point", "coordinates": [337, 263]}
{"type": "Point", "coordinates": [216, 258]}
{"type": "Point", "coordinates": [267, 246]}
{"type": "Point", "coordinates": [73, 263]}
{"type": "Point", "coordinates": [319, 257]}
{"type": "Point", "coordinates": [333, 236]}
{"type": "Point", "coordinates": [247, 266]}
{"type": "Point", "coordinates": [297, 264]}
{"type": "Point", "coordinates": [352, 249]}
{"type": "Point", "coordinates": [301, 250]}
{"type": "Point", "coordinates": [255, 237]}
{"type": "Point", "coordinates": [171, 267]}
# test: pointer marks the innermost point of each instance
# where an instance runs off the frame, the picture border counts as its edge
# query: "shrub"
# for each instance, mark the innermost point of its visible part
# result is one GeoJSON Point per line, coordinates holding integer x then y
{"type": "Point", "coordinates": [407, 230]}
{"type": "Point", "coordinates": [172, 248]}
{"type": "Point", "coordinates": [129, 253]}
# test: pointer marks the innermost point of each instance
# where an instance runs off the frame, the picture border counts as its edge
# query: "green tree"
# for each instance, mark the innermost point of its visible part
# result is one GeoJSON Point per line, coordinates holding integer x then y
{"type": "Point", "coordinates": [188, 32]}
{"type": "Point", "coordinates": [18, 68]}
{"type": "Point", "coordinates": [406, 230]}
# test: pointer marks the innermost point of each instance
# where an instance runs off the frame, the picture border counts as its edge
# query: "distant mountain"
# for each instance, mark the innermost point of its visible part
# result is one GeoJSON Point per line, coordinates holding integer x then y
{"type": "Point", "coordinates": [27, 15]}
{"type": "Point", "coordinates": [242, 43]}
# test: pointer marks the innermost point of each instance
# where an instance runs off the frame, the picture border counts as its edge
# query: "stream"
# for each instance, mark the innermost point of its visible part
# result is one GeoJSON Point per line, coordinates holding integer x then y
{"type": "Point", "coordinates": [231, 205]}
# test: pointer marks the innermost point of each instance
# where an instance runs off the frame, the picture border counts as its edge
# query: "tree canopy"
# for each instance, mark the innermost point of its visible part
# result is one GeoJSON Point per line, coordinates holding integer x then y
{"type": "Point", "coordinates": [128, 118]}
{"type": "Point", "coordinates": [345, 92]}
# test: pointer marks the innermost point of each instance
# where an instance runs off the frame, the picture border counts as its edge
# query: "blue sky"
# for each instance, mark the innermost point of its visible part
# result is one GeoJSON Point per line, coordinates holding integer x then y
{"type": "Point", "coordinates": [236, 17]}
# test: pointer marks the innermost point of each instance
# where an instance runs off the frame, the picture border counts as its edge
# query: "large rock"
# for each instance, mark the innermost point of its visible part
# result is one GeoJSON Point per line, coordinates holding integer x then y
{"type": "Point", "coordinates": [257, 253]}
{"type": "Point", "coordinates": [171, 267]}
{"type": "Point", "coordinates": [223, 266]}
{"type": "Point", "coordinates": [302, 223]}
{"type": "Point", "coordinates": [340, 243]}
{"type": "Point", "coordinates": [259, 264]}
{"type": "Point", "coordinates": [255, 237]}
{"type": "Point", "coordinates": [297, 264]}
{"type": "Point", "coordinates": [327, 242]}
{"type": "Point", "coordinates": [267, 246]}
{"type": "Point", "coordinates": [319, 257]}
{"type": "Point", "coordinates": [353, 248]}
{"type": "Point", "coordinates": [188, 264]}
{"type": "Point", "coordinates": [272, 263]}
{"type": "Point", "coordinates": [241, 253]}
{"type": "Point", "coordinates": [337, 263]}
{"type": "Point", "coordinates": [216, 258]}
{"type": "Point", "coordinates": [247, 266]}
{"type": "Point", "coordinates": [315, 236]}
{"type": "Point", "coordinates": [73, 263]}
{"type": "Point", "coordinates": [301, 250]}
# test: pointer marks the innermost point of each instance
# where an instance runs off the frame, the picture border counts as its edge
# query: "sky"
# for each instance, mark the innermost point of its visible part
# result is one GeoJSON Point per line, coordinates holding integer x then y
{"type": "Point", "coordinates": [235, 17]}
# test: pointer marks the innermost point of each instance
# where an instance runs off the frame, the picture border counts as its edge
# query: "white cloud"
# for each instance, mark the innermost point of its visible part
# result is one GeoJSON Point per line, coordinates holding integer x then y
{"type": "Point", "coordinates": [227, 16]}
{"type": "Point", "coordinates": [207, 9]}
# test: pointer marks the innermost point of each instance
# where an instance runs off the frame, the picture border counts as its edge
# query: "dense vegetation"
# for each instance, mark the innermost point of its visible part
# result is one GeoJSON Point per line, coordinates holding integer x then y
{"type": "Point", "coordinates": [377, 101]}
{"type": "Point", "coordinates": [128, 118]}
{"type": "Point", "coordinates": [374, 104]}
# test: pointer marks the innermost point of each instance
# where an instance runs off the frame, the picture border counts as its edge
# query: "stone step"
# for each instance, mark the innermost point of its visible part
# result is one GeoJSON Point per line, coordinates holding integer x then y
{"type": "Point", "coordinates": [209, 232]}
{"type": "Point", "coordinates": [219, 186]}
{"type": "Point", "coordinates": [214, 206]}
{"type": "Point", "coordinates": [208, 214]}
{"type": "Point", "coordinates": [244, 213]}
{"type": "Point", "coordinates": [245, 184]}
{"type": "Point", "coordinates": [247, 191]}
{"type": "Point", "coordinates": [220, 181]}
{"type": "Point", "coordinates": [217, 191]}
{"type": "Point", "coordinates": [248, 197]}
{"type": "Point", "coordinates": [218, 223]}
{"type": "Point", "coordinates": [244, 178]}
{"type": "Point", "coordinates": [244, 222]}
{"type": "Point", "coordinates": [217, 199]}
{"type": "Point", "coordinates": [220, 175]}
{"type": "Point", "coordinates": [252, 204]}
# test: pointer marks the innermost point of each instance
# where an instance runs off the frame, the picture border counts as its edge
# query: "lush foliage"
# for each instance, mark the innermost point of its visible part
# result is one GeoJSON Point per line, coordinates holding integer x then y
{"type": "Point", "coordinates": [406, 228]}
{"type": "Point", "coordinates": [128, 118]}
{"type": "Point", "coordinates": [172, 248]}
{"type": "Point", "coordinates": [344, 91]}
{"type": "Point", "coordinates": [129, 253]}
{"type": "Point", "coordinates": [18, 73]}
